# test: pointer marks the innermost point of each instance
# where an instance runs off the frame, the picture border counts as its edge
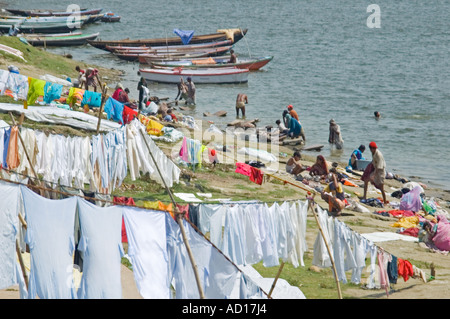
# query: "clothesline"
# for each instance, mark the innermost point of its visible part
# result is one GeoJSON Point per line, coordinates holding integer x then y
{"type": "Point", "coordinates": [118, 204]}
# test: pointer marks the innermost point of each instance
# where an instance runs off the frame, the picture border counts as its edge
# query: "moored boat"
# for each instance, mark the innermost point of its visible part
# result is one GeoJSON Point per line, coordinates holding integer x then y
{"type": "Point", "coordinates": [48, 13]}
{"type": "Point", "coordinates": [162, 55]}
{"type": "Point", "coordinates": [199, 76]}
{"type": "Point", "coordinates": [253, 64]}
{"type": "Point", "coordinates": [68, 39]}
{"type": "Point", "coordinates": [182, 47]}
{"type": "Point", "coordinates": [41, 27]}
{"type": "Point", "coordinates": [234, 36]}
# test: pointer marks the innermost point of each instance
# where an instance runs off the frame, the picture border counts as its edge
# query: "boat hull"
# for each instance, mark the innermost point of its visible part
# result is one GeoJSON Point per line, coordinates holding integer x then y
{"type": "Point", "coordinates": [206, 76]}
{"type": "Point", "coordinates": [71, 40]}
{"type": "Point", "coordinates": [221, 36]}
{"type": "Point", "coordinates": [251, 64]}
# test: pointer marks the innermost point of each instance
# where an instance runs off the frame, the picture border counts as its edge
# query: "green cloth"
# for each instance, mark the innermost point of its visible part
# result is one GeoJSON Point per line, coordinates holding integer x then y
{"type": "Point", "coordinates": [35, 89]}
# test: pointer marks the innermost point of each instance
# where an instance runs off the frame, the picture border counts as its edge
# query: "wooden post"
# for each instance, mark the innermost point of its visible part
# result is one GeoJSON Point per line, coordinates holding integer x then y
{"type": "Point", "coordinates": [22, 264]}
{"type": "Point", "coordinates": [25, 150]}
{"type": "Point", "coordinates": [276, 279]}
{"type": "Point", "coordinates": [19, 254]}
{"type": "Point", "coordinates": [179, 219]}
{"type": "Point", "coordinates": [310, 205]}
{"type": "Point", "coordinates": [100, 111]}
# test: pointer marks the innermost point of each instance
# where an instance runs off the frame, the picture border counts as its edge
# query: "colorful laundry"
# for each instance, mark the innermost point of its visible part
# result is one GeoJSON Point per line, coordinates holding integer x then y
{"type": "Point", "coordinates": [75, 96]}
{"type": "Point", "coordinates": [52, 91]}
{"type": "Point", "coordinates": [92, 99]}
{"type": "Point", "coordinates": [35, 90]}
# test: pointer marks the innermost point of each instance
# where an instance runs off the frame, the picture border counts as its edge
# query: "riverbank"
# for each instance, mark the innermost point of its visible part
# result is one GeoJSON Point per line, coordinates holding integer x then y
{"type": "Point", "coordinates": [221, 181]}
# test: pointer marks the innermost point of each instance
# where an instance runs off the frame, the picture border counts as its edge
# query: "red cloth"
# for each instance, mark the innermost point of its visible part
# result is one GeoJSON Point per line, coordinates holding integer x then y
{"type": "Point", "coordinates": [413, 231]}
{"type": "Point", "coordinates": [366, 175]}
{"type": "Point", "coordinates": [401, 213]}
{"type": "Point", "coordinates": [256, 175]}
{"type": "Point", "coordinates": [128, 114]}
{"type": "Point", "coordinates": [243, 169]}
{"type": "Point", "coordinates": [128, 201]}
{"type": "Point", "coordinates": [405, 269]}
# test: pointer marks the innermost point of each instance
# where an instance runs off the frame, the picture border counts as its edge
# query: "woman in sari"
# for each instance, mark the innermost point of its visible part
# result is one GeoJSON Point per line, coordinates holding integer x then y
{"type": "Point", "coordinates": [320, 167]}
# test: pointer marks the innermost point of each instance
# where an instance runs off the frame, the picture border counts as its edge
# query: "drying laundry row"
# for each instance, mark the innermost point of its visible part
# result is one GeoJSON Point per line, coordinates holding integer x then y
{"type": "Point", "coordinates": [101, 160]}
{"type": "Point", "coordinates": [349, 251]}
{"type": "Point", "coordinates": [252, 232]}
{"type": "Point", "coordinates": [29, 89]}
{"type": "Point", "coordinates": [155, 246]}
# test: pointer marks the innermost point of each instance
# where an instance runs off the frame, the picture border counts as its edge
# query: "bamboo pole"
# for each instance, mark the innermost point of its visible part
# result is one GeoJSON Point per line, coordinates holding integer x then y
{"type": "Point", "coordinates": [276, 279]}
{"type": "Point", "coordinates": [24, 148]}
{"type": "Point", "coordinates": [310, 205]}
{"type": "Point", "coordinates": [180, 223]}
{"type": "Point", "coordinates": [104, 98]}
{"type": "Point", "coordinates": [22, 264]}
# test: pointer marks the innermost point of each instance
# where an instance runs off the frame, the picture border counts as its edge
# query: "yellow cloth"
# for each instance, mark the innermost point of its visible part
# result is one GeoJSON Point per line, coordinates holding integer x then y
{"type": "Point", "coordinates": [229, 32]}
{"type": "Point", "coordinates": [407, 222]}
{"type": "Point", "coordinates": [75, 96]}
{"type": "Point", "coordinates": [35, 90]}
{"type": "Point", "coordinates": [153, 127]}
{"type": "Point", "coordinates": [159, 206]}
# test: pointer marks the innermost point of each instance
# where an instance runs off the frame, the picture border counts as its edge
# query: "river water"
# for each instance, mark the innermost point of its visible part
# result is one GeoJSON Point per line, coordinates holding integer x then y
{"type": "Point", "coordinates": [329, 62]}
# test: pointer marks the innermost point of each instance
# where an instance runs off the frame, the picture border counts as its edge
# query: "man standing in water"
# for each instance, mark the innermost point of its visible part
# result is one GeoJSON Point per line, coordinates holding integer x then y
{"type": "Point", "coordinates": [190, 91]}
{"type": "Point", "coordinates": [241, 100]}
{"type": "Point", "coordinates": [335, 137]}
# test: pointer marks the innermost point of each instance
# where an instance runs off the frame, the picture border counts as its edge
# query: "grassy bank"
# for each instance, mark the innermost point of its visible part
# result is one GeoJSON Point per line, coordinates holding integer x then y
{"type": "Point", "coordinates": [40, 62]}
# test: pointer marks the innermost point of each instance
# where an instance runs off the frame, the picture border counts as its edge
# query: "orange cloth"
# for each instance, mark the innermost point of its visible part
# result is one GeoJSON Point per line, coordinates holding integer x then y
{"type": "Point", "coordinates": [12, 158]}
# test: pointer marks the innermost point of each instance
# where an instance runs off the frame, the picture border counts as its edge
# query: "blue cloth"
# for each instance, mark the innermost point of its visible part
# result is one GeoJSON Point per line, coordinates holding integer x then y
{"type": "Point", "coordinates": [93, 99]}
{"type": "Point", "coordinates": [185, 36]}
{"type": "Point", "coordinates": [358, 155]}
{"type": "Point", "coordinates": [100, 243]}
{"type": "Point", "coordinates": [52, 91]}
{"type": "Point", "coordinates": [294, 127]}
{"type": "Point", "coordinates": [114, 110]}
{"type": "Point", "coordinates": [50, 236]}
{"type": "Point", "coordinates": [6, 137]}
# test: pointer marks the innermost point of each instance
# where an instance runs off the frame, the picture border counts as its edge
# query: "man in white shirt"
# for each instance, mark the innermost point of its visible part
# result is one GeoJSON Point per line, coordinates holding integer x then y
{"type": "Point", "coordinates": [376, 172]}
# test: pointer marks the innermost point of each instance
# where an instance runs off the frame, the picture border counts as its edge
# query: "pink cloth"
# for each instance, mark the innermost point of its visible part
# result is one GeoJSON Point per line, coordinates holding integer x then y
{"type": "Point", "coordinates": [184, 151]}
{"type": "Point", "coordinates": [383, 259]}
{"type": "Point", "coordinates": [442, 237]}
{"type": "Point", "coordinates": [243, 169]}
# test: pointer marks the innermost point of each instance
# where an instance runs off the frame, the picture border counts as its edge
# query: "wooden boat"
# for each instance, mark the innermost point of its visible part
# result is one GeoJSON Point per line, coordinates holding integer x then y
{"type": "Point", "coordinates": [200, 76]}
{"type": "Point", "coordinates": [68, 39]}
{"type": "Point", "coordinates": [40, 27]}
{"type": "Point", "coordinates": [174, 50]}
{"type": "Point", "coordinates": [216, 62]}
{"type": "Point", "coordinates": [51, 19]}
{"type": "Point", "coordinates": [47, 13]}
{"type": "Point", "coordinates": [167, 48]}
{"type": "Point", "coordinates": [110, 17]}
{"type": "Point", "coordinates": [161, 55]}
{"type": "Point", "coordinates": [218, 36]}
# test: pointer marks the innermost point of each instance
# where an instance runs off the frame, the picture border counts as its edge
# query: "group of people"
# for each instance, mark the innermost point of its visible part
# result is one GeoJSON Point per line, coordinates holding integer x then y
{"type": "Point", "coordinates": [290, 125]}
{"type": "Point", "coordinates": [333, 193]}
{"type": "Point", "coordinates": [186, 91]}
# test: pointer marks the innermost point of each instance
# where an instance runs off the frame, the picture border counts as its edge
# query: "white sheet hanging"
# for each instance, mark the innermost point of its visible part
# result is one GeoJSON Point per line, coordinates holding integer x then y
{"type": "Point", "coordinates": [50, 236]}
{"type": "Point", "coordinates": [9, 227]}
